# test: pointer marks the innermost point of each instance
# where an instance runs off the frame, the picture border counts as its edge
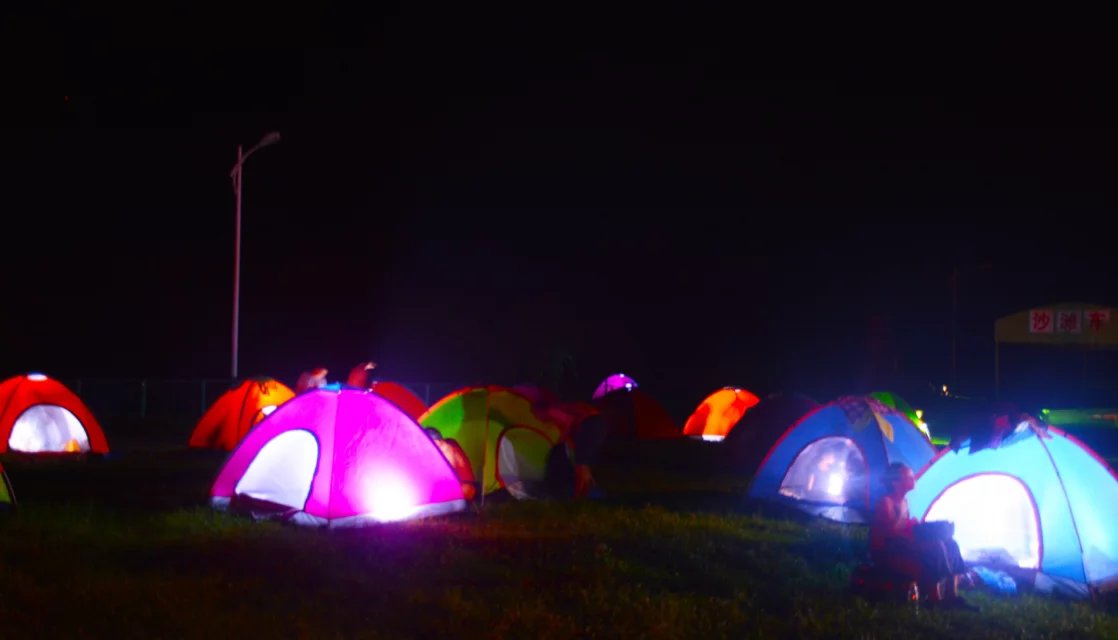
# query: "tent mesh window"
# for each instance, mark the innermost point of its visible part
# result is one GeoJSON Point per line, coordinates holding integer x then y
{"type": "Point", "coordinates": [283, 470]}
{"type": "Point", "coordinates": [995, 520]}
{"type": "Point", "coordinates": [46, 427]}
{"type": "Point", "coordinates": [831, 470]}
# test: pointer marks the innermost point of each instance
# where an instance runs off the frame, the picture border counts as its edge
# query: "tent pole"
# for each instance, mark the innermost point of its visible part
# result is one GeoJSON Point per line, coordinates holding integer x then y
{"type": "Point", "coordinates": [485, 450]}
{"type": "Point", "coordinates": [997, 380]}
{"type": "Point", "coordinates": [954, 324]}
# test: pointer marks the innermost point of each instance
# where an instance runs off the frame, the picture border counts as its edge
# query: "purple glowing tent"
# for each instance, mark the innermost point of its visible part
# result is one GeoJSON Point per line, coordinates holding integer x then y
{"type": "Point", "coordinates": [338, 457]}
{"type": "Point", "coordinates": [614, 382]}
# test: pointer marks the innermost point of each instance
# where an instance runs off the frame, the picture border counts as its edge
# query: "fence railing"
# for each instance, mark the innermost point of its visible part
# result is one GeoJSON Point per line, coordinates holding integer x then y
{"type": "Point", "coordinates": [181, 400]}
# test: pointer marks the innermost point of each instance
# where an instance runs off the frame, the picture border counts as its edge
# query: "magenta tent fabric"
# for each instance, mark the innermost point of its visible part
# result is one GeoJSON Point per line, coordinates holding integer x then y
{"type": "Point", "coordinates": [614, 382]}
{"type": "Point", "coordinates": [338, 457]}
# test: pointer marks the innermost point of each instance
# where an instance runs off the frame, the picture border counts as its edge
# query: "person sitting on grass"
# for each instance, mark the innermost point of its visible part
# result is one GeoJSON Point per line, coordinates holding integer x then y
{"type": "Point", "coordinates": [935, 564]}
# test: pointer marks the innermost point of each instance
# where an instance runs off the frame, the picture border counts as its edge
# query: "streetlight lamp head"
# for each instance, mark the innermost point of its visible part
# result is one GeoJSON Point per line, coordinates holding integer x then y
{"type": "Point", "coordinates": [270, 138]}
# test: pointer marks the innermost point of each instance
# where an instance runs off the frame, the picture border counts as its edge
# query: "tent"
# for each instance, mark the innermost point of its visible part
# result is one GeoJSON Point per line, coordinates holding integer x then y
{"type": "Point", "coordinates": [633, 413]}
{"type": "Point", "coordinates": [549, 407]}
{"type": "Point", "coordinates": [7, 496]}
{"type": "Point", "coordinates": [537, 393]}
{"type": "Point", "coordinates": [760, 427]}
{"type": "Point", "coordinates": [236, 411]}
{"type": "Point", "coordinates": [613, 383]}
{"type": "Point", "coordinates": [40, 415]}
{"type": "Point", "coordinates": [401, 396]}
{"type": "Point", "coordinates": [1037, 500]}
{"type": "Point", "coordinates": [458, 460]}
{"type": "Point", "coordinates": [894, 401]}
{"type": "Point", "coordinates": [507, 442]}
{"type": "Point", "coordinates": [830, 461]}
{"type": "Point", "coordinates": [717, 414]}
{"type": "Point", "coordinates": [337, 458]}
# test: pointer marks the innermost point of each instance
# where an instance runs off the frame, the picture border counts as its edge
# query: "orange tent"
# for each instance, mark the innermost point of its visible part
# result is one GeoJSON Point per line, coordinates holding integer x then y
{"type": "Point", "coordinates": [237, 411]}
{"type": "Point", "coordinates": [718, 413]}
{"type": "Point", "coordinates": [40, 415]}
{"type": "Point", "coordinates": [401, 396]}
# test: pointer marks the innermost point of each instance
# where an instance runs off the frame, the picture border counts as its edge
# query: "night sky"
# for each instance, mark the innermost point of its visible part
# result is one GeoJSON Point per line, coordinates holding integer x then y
{"type": "Point", "coordinates": [464, 199]}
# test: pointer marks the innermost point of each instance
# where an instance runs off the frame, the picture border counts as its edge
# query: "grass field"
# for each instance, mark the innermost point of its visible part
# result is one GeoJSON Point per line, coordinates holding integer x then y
{"type": "Point", "coordinates": [126, 547]}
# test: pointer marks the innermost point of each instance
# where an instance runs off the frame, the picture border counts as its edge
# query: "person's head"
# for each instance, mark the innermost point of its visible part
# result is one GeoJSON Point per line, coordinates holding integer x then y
{"type": "Point", "coordinates": [899, 477]}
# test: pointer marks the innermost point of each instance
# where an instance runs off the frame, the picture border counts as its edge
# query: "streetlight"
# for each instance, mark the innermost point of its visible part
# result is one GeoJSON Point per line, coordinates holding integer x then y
{"type": "Point", "coordinates": [236, 175]}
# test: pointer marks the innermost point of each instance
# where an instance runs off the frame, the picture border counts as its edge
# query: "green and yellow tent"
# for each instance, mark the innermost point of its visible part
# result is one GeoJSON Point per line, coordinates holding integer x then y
{"type": "Point", "coordinates": [507, 443]}
{"type": "Point", "coordinates": [7, 497]}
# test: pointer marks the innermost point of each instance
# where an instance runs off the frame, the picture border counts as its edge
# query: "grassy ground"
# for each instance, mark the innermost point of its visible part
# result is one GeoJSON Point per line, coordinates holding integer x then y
{"type": "Point", "coordinates": [126, 547]}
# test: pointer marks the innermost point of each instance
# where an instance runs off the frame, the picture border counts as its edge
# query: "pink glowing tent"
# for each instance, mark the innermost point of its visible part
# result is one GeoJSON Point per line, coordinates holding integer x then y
{"type": "Point", "coordinates": [338, 457]}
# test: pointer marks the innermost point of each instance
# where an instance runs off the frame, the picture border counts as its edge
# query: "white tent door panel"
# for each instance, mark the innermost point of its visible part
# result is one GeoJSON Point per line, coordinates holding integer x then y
{"type": "Point", "coordinates": [994, 517]}
{"type": "Point", "coordinates": [48, 428]}
{"type": "Point", "coordinates": [522, 461]}
{"type": "Point", "coordinates": [282, 470]}
{"type": "Point", "coordinates": [830, 470]}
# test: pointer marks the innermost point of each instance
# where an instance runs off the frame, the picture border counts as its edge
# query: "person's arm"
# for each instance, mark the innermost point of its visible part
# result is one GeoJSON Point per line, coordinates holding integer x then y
{"type": "Point", "coordinates": [892, 521]}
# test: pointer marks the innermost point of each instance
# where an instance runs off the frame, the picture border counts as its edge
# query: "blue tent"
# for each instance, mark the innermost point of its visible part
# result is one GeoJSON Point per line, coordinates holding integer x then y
{"type": "Point", "coordinates": [1039, 501]}
{"type": "Point", "coordinates": [828, 463]}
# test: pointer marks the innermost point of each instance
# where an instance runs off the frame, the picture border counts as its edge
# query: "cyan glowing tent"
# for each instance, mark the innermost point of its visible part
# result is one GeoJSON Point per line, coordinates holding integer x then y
{"type": "Point", "coordinates": [506, 440]}
{"type": "Point", "coordinates": [40, 415]}
{"type": "Point", "coordinates": [830, 462]}
{"type": "Point", "coordinates": [718, 413]}
{"type": "Point", "coordinates": [1037, 500]}
{"type": "Point", "coordinates": [338, 457]}
{"type": "Point", "coordinates": [237, 411]}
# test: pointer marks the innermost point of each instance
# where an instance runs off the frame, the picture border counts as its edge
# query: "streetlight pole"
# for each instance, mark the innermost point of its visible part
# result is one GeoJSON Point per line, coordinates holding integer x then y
{"type": "Point", "coordinates": [237, 175]}
{"type": "Point", "coordinates": [954, 326]}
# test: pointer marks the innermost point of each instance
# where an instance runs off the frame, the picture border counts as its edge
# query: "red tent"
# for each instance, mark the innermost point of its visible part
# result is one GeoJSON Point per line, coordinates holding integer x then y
{"type": "Point", "coordinates": [635, 414]}
{"type": "Point", "coordinates": [40, 415]}
{"type": "Point", "coordinates": [401, 396]}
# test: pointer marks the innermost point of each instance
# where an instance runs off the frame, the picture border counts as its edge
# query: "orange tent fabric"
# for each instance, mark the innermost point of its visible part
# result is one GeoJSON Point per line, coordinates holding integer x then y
{"type": "Point", "coordinates": [35, 391]}
{"type": "Point", "coordinates": [401, 396]}
{"type": "Point", "coordinates": [719, 412]}
{"type": "Point", "coordinates": [237, 411]}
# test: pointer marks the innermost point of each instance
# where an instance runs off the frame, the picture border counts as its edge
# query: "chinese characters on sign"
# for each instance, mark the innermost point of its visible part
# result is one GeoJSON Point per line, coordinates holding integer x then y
{"type": "Point", "coordinates": [1040, 321]}
{"type": "Point", "coordinates": [1067, 321]}
{"type": "Point", "coordinates": [1096, 319]}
